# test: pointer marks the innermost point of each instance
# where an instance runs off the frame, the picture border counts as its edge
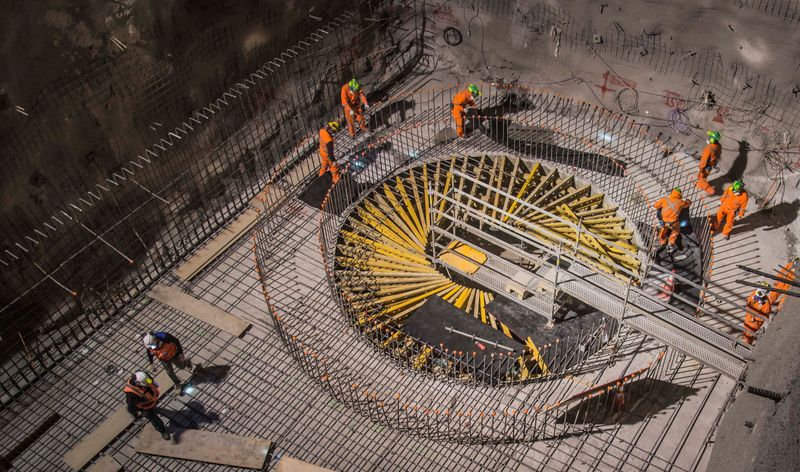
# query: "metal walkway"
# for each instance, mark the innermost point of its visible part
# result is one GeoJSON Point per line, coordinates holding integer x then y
{"type": "Point", "coordinates": [625, 300]}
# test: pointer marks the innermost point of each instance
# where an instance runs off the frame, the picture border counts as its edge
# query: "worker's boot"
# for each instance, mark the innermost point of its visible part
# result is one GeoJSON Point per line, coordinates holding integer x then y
{"type": "Point", "coordinates": [671, 248]}
{"type": "Point", "coordinates": [165, 434]}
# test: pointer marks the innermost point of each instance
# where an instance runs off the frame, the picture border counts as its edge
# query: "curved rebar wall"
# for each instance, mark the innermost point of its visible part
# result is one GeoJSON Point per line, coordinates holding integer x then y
{"type": "Point", "coordinates": [317, 327]}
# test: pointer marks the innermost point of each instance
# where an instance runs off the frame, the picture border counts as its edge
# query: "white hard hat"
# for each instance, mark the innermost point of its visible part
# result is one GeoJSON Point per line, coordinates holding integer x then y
{"type": "Point", "coordinates": [150, 341]}
{"type": "Point", "coordinates": [142, 378]}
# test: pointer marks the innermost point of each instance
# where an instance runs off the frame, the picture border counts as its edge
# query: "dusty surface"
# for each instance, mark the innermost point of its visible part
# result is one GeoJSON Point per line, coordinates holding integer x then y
{"type": "Point", "coordinates": [749, 61]}
{"type": "Point", "coordinates": [758, 433]}
{"type": "Point", "coordinates": [96, 81]}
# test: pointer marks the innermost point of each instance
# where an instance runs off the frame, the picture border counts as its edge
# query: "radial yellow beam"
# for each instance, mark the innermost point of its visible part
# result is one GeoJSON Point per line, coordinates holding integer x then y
{"type": "Point", "coordinates": [411, 210]}
{"type": "Point", "coordinates": [380, 218]}
{"type": "Point", "coordinates": [533, 173]}
{"type": "Point", "coordinates": [386, 208]}
{"type": "Point", "coordinates": [419, 200]}
{"type": "Point", "coordinates": [512, 180]}
{"type": "Point", "coordinates": [537, 356]}
{"type": "Point", "coordinates": [602, 211]}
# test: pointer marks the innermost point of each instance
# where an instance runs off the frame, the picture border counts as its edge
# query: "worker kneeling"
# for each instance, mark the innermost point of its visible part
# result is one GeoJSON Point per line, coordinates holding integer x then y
{"type": "Point", "coordinates": [757, 311]}
{"type": "Point", "coordinates": [141, 397]}
{"type": "Point", "coordinates": [326, 156]}
{"type": "Point", "coordinates": [669, 210]}
{"type": "Point", "coordinates": [461, 101]}
{"type": "Point", "coordinates": [354, 103]}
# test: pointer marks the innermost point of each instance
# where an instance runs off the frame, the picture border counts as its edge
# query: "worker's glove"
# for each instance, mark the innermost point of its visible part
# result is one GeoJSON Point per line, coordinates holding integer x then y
{"type": "Point", "coordinates": [366, 107]}
{"type": "Point", "coordinates": [352, 113]}
{"type": "Point", "coordinates": [661, 223]}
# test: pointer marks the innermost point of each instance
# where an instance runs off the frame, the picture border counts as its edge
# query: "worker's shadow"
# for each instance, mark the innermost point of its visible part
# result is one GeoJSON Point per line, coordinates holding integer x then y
{"type": "Point", "coordinates": [192, 416]}
{"type": "Point", "coordinates": [390, 115]}
{"type": "Point", "coordinates": [735, 172]}
{"type": "Point", "coordinates": [770, 218]}
{"type": "Point", "coordinates": [641, 398]}
{"type": "Point", "coordinates": [212, 374]}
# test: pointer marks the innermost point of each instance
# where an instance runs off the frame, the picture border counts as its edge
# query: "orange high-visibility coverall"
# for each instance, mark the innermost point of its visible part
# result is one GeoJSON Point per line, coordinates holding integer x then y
{"type": "Point", "coordinates": [462, 100]}
{"type": "Point", "coordinates": [708, 160]}
{"type": "Point", "coordinates": [670, 210]}
{"type": "Point", "coordinates": [729, 204]}
{"type": "Point", "coordinates": [327, 161]}
{"type": "Point", "coordinates": [786, 272]}
{"type": "Point", "coordinates": [354, 103]}
{"type": "Point", "coordinates": [751, 321]}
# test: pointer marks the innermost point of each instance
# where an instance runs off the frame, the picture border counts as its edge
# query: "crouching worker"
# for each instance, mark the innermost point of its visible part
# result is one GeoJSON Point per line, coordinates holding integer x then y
{"type": "Point", "coordinates": [669, 210]}
{"type": "Point", "coordinates": [141, 396]}
{"type": "Point", "coordinates": [757, 312]}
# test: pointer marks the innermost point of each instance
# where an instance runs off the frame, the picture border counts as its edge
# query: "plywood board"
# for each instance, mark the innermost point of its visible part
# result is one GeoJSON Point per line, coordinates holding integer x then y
{"type": "Point", "coordinates": [290, 464]}
{"type": "Point", "coordinates": [199, 309]}
{"type": "Point", "coordinates": [91, 444]}
{"type": "Point", "coordinates": [217, 245]}
{"type": "Point", "coordinates": [105, 464]}
{"type": "Point", "coordinates": [205, 446]}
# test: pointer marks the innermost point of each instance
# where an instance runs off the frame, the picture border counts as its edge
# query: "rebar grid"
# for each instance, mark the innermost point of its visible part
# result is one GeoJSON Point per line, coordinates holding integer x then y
{"type": "Point", "coordinates": [400, 454]}
{"type": "Point", "coordinates": [134, 226]}
{"type": "Point", "coordinates": [291, 305]}
{"type": "Point", "coordinates": [650, 169]}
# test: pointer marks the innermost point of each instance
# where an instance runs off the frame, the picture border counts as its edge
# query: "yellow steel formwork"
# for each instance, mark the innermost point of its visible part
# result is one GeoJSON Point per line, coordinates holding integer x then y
{"type": "Point", "coordinates": [383, 267]}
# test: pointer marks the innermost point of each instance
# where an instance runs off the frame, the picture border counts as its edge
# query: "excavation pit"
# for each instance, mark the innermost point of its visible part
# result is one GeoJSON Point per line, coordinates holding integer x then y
{"type": "Point", "coordinates": [468, 232]}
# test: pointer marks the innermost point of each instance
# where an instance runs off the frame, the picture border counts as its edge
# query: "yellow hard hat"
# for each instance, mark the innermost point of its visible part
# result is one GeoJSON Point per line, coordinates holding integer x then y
{"type": "Point", "coordinates": [333, 125]}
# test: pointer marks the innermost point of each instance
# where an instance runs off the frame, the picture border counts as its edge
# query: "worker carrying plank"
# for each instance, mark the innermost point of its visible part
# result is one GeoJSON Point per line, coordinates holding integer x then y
{"type": "Point", "coordinates": [326, 156]}
{"type": "Point", "coordinates": [167, 349]}
{"type": "Point", "coordinates": [354, 103]}
{"type": "Point", "coordinates": [669, 210]}
{"type": "Point", "coordinates": [709, 161]}
{"type": "Point", "coordinates": [757, 311]}
{"type": "Point", "coordinates": [141, 397]}
{"type": "Point", "coordinates": [734, 200]}
{"type": "Point", "coordinates": [461, 101]}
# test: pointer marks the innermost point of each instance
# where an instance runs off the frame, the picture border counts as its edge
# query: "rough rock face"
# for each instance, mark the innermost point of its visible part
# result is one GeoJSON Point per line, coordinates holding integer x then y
{"type": "Point", "coordinates": [85, 85]}
{"type": "Point", "coordinates": [758, 433]}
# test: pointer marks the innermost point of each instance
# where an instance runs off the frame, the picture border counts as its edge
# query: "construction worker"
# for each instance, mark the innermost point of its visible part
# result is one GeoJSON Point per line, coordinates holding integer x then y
{"type": "Point", "coordinates": [167, 349]}
{"type": "Point", "coordinates": [326, 156]}
{"type": "Point", "coordinates": [141, 396]}
{"type": "Point", "coordinates": [669, 209]}
{"type": "Point", "coordinates": [354, 103]}
{"type": "Point", "coordinates": [461, 101]}
{"type": "Point", "coordinates": [709, 161]}
{"type": "Point", "coordinates": [757, 310]}
{"type": "Point", "coordinates": [734, 199]}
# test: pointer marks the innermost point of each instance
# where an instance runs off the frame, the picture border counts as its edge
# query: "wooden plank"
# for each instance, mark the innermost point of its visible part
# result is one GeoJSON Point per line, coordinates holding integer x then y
{"type": "Point", "coordinates": [91, 444]}
{"type": "Point", "coordinates": [205, 446]}
{"type": "Point", "coordinates": [203, 311]}
{"type": "Point", "coordinates": [105, 464]}
{"type": "Point", "coordinates": [217, 245]}
{"type": "Point", "coordinates": [290, 464]}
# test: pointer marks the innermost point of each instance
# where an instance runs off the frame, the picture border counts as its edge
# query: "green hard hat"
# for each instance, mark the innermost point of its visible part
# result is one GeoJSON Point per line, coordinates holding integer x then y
{"type": "Point", "coordinates": [737, 186]}
{"type": "Point", "coordinates": [473, 89]}
{"type": "Point", "coordinates": [354, 85]}
{"type": "Point", "coordinates": [713, 136]}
